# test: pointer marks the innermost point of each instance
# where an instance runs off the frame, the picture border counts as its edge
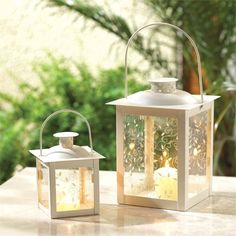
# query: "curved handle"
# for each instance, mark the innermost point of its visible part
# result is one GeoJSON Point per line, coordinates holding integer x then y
{"type": "Point", "coordinates": [56, 113]}
{"type": "Point", "coordinates": [178, 29]}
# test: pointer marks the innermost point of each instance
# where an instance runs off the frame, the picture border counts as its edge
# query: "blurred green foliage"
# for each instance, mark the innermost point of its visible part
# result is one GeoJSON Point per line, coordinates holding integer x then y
{"type": "Point", "coordinates": [63, 85]}
{"type": "Point", "coordinates": [212, 25]}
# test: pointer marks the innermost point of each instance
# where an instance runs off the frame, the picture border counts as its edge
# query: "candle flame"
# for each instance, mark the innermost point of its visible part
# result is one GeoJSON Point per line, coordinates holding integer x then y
{"type": "Point", "coordinates": [131, 146]}
{"type": "Point", "coordinates": [164, 153]}
{"type": "Point", "coordinates": [167, 163]}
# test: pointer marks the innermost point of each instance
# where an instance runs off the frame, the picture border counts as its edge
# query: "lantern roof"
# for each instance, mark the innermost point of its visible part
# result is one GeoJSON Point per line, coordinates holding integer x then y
{"type": "Point", "coordinates": [187, 106]}
{"type": "Point", "coordinates": [163, 93]}
{"type": "Point", "coordinates": [59, 154]}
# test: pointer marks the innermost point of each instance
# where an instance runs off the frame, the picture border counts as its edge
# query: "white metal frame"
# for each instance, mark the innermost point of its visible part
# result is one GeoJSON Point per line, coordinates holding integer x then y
{"type": "Point", "coordinates": [182, 113]}
{"type": "Point", "coordinates": [43, 208]}
{"type": "Point", "coordinates": [69, 163]}
{"type": "Point", "coordinates": [51, 167]}
{"type": "Point", "coordinates": [183, 202]}
{"type": "Point", "coordinates": [207, 192]}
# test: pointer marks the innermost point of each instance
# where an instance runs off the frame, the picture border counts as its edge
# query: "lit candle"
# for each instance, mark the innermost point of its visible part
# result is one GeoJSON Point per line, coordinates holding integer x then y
{"type": "Point", "coordinates": [67, 191]}
{"type": "Point", "coordinates": [166, 182]}
{"type": "Point", "coordinates": [66, 202]}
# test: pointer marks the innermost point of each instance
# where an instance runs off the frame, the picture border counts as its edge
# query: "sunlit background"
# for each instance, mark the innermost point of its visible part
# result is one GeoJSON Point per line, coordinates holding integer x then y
{"type": "Point", "coordinates": [58, 54]}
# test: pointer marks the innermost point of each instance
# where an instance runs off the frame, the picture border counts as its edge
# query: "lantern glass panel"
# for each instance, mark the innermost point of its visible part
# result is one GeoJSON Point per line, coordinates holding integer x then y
{"type": "Point", "coordinates": [199, 152]}
{"type": "Point", "coordinates": [150, 156]}
{"type": "Point", "coordinates": [74, 189]}
{"type": "Point", "coordinates": [43, 186]}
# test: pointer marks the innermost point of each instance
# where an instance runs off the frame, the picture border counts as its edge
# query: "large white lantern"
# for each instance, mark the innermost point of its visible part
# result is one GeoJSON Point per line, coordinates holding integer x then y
{"type": "Point", "coordinates": [164, 142]}
{"type": "Point", "coordinates": [67, 175]}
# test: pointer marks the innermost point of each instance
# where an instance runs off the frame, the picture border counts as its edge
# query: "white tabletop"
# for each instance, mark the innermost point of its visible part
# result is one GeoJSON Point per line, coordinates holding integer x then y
{"type": "Point", "coordinates": [19, 214]}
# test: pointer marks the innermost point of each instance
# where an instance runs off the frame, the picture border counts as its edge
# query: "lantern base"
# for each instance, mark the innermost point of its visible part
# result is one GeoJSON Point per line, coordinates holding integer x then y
{"type": "Point", "coordinates": [164, 204]}
{"type": "Point", "coordinates": [62, 214]}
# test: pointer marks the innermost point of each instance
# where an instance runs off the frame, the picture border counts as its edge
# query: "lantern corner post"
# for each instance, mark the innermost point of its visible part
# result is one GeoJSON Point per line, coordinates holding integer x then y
{"type": "Point", "coordinates": [96, 186]}
{"type": "Point", "coordinates": [52, 191]}
{"type": "Point", "coordinates": [183, 160]}
{"type": "Point", "coordinates": [37, 180]}
{"type": "Point", "coordinates": [210, 144]}
{"type": "Point", "coordinates": [119, 154]}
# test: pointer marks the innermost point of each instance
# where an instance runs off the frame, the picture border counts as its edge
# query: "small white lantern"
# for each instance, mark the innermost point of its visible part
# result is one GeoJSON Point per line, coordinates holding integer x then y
{"type": "Point", "coordinates": [67, 175]}
{"type": "Point", "coordinates": [164, 143]}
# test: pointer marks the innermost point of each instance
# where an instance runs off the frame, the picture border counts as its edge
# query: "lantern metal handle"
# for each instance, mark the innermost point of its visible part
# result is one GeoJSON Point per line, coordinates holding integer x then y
{"type": "Point", "coordinates": [56, 113]}
{"type": "Point", "coordinates": [178, 29]}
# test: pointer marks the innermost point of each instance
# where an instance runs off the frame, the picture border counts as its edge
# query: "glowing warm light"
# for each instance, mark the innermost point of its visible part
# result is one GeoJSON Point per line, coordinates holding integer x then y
{"type": "Point", "coordinates": [131, 146]}
{"type": "Point", "coordinates": [67, 192]}
{"type": "Point", "coordinates": [164, 153]}
{"type": "Point", "coordinates": [166, 182]}
{"type": "Point", "coordinates": [167, 163]}
{"type": "Point", "coordinates": [195, 152]}
{"type": "Point", "coordinates": [66, 203]}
